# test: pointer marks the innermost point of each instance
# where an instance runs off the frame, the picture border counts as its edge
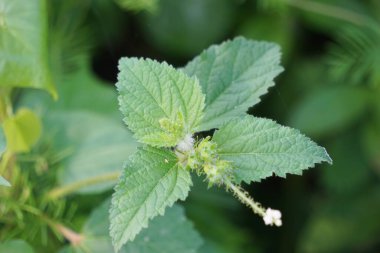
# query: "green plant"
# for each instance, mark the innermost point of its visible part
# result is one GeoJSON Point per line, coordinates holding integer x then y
{"type": "Point", "coordinates": [166, 109]}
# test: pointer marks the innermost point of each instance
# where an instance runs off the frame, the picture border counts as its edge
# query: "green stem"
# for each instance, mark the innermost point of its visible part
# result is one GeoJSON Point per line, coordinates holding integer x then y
{"type": "Point", "coordinates": [62, 191]}
{"type": "Point", "coordinates": [331, 11]}
{"type": "Point", "coordinates": [243, 196]}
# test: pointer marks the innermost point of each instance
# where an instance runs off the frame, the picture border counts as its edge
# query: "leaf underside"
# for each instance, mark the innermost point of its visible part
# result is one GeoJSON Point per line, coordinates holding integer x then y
{"type": "Point", "coordinates": [260, 148]}
{"type": "Point", "coordinates": [152, 180]}
{"type": "Point", "coordinates": [233, 76]}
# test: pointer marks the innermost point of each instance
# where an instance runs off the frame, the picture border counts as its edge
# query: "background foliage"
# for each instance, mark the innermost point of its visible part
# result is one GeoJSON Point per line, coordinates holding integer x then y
{"type": "Point", "coordinates": [63, 156]}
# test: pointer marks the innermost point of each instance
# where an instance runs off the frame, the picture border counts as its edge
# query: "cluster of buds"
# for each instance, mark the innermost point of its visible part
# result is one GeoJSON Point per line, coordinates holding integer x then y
{"type": "Point", "coordinates": [204, 160]}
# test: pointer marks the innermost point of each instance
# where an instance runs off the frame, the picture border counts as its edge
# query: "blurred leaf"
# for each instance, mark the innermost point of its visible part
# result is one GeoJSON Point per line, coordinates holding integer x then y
{"type": "Point", "coordinates": [23, 45]}
{"type": "Point", "coordinates": [345, 225]}
{"type": "Point", "coordinates": [2, 142]}
{"type": "Point", "coordinates": [198, 23]}
{"type": "Point", "coordinates": [371, 137]}
{"type": "Point", "coordinates": [282, 30]}
{"type": "Point", "coordinates": [153, 93]}
{"type": "Point", "coordinates": [22, 130]}
{"type": "Point", "coordinates": [260, 148]}
{"type": "Point", "coordinates": [152, 180]}
{"type": "Point", "coordinates": [329, 15]}
{"type": "Point", "coordinates": [138, 5]}
{"type": "Point", "coordinates": [15, 246]}
{"type": "Point", "coordinates": [98, 145]}
{"type": "Point", "coordinates": [349, 174]}
{"type": "Point", "coordinates": [70, 35]}
{"type": "Point", "coordinates": [170, 233]}
{"type": "Point", "coordinates": [78, 91]}
{"type": "Point", "coordinates": [329, 109]}
{"type": "Point", "coordinates": [356, 58]}
{"type": "Point", "coordinates": [233, 76]}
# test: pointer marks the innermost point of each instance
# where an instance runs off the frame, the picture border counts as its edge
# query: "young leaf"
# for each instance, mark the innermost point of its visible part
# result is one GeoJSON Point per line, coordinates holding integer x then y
{"type": "Point", "coordinates": [161, 105]}
{"type": "Point", "coordinates": [233, 76]}
{"type": "Point", "coordinates": [22, 130]}
{"type": "Point", "coordinates": [23, 45]}
{"type": "Point", "coordinates": [152, 180]}
{"type": "Point", "coordinates": [260, 147]}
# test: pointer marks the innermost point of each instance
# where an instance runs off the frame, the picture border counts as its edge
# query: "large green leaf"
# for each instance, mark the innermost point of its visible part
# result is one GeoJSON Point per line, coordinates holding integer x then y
{"type": "Point", "coordinates": [23, 45]}
{"type": "Point", "coordinates": [15, 246]}
{"type": "Point", "coordinates": [260, 148]}
{"type": "Point", "coordinates": [170, 233]}
{"type": "Point", "coordinates": [152, 180]}
{"type": "Point", "coordinates": [98, 147]}
{"type": "Point", "coordinates": [233, 76]}
{"type": "Point", "coordinates": [153, 93]}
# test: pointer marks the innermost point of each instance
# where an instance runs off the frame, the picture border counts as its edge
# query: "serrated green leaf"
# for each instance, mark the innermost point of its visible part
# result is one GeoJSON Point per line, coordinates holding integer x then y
{"type": "Point", "coordinates": [152, 180]}
{"type": "Point", "coordinates": [23, 45]}
{"type": "Point", "coordinates": [233, 76]}
{"type": "Point", "coordinates": [15, 246]}
{"type": "Point", "coordinates": [151, 92]}
{"type": "Point", "coordinates": [22, 130]}
{"type": "Point", "coordinates": [260, 148]}
{"type": "Point", "coordinates": [170, 233]}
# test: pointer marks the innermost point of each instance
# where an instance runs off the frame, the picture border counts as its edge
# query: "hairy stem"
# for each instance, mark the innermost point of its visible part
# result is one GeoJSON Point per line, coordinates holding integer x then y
{"type": "Point", "coordinates": [62, 191]}
{"type": "Point", "coordinates": [243, 196]}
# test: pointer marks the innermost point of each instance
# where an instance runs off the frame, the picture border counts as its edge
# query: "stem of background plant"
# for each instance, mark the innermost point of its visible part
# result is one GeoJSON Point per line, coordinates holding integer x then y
{"type": "Point", "coordinates": [73, 237]}
{"type": "Point", "coordinates": [62, 191]}
{"type": "Point", "coordinates": [331, 11]}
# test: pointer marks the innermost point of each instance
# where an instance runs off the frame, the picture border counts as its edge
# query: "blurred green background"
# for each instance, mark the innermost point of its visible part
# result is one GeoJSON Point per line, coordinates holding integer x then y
{"type": "Point", "coordinates": [73, 148]}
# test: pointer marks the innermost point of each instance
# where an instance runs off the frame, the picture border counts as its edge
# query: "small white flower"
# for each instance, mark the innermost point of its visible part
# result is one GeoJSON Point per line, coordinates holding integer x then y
{"type": "Point", "coordinates": [186, 144]}
{"type": "Point", "coordinates": [272, 217]}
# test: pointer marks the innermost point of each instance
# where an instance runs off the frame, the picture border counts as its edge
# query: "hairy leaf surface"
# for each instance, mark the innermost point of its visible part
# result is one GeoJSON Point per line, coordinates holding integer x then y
{"type": "Point", "coordinates": [260, 148]}
{"type": "Point", "coordinates": [152, 180]}
{"type": "Point", "coordinates": [151, 92]}
{"type": "Point", "coordinates": [233, 76]}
